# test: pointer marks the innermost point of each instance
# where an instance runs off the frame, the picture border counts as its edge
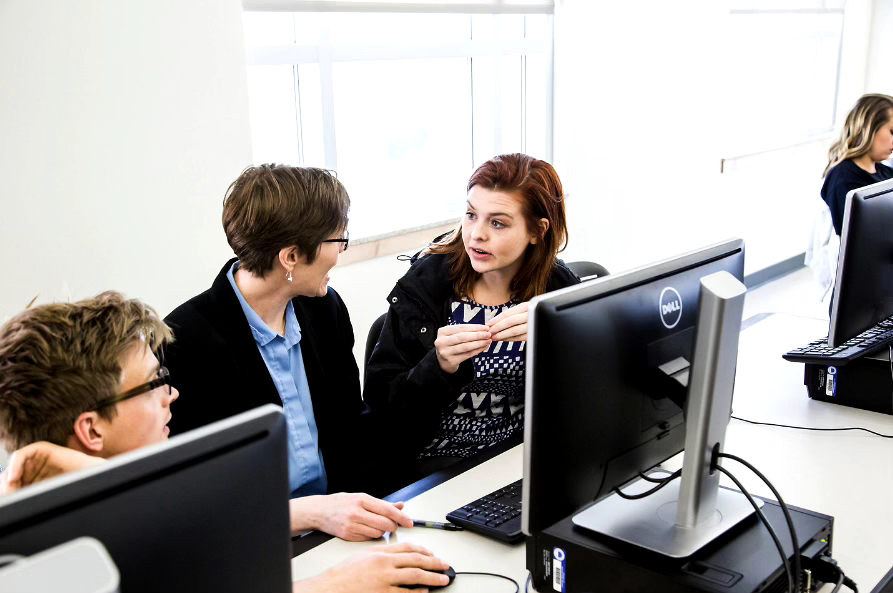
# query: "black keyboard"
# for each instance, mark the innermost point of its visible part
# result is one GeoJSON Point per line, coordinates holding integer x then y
{"type": "Point", "coordinates": [819, 352]}
{"type": "Point", "coordinates": [497, 515]}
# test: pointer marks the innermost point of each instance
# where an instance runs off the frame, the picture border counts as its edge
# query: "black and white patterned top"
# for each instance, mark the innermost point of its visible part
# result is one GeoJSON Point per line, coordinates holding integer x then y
{"type": "Point", "coordinates": [490, 408]}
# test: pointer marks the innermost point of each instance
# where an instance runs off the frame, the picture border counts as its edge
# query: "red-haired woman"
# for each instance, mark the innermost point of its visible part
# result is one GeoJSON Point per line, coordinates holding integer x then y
{"type": "Point", "coordinates": [449, 364]}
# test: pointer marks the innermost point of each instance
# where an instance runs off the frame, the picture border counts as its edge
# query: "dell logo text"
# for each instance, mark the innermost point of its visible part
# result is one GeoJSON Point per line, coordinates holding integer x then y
{"type": "Point", "coordinates": [670, 307]}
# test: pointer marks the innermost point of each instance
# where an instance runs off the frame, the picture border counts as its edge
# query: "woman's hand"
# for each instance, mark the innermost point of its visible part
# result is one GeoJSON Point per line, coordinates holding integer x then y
{"type": "Point", "coordinates": [351, 517]}
{"type": "Point", "coordinates": [457, 343]}
{"type": "Point", "coordinates": [379, 571]}
{"type": "Point", "coordinates": [510, 325]}
{"type": "Point", "coordinates": [41, 460]}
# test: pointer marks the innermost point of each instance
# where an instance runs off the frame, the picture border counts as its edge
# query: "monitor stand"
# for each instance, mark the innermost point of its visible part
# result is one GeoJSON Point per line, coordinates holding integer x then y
{"type": "Point", "coordinates": [689, 513]}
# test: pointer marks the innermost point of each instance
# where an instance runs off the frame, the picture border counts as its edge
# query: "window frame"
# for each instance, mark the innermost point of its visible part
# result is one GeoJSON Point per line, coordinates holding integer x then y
{"type": "Point", "coordinates": [325, 54]}
{"type": "Point", "coordinates": [819, 7]}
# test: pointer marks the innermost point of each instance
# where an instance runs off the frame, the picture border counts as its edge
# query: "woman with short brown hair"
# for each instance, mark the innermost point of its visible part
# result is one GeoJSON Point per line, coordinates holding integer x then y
{"type": "Point", "coordinates": [449, 363]}
{"type": "Point", "coordinates": [271, 330]}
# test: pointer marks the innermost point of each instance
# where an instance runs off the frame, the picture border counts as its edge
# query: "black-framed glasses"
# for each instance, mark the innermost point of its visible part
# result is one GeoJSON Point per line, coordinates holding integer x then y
{"type": "Point", "coordinates": [345, 241]}
{"type": "Point", "coordinates": [164, 379]}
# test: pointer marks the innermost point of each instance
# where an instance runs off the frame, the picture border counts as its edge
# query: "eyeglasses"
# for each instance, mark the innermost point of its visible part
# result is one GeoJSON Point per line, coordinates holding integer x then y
{"type": "Point", "coordinates": [164, 379]}
{"type": "Point", "coordinates": [345, 241]}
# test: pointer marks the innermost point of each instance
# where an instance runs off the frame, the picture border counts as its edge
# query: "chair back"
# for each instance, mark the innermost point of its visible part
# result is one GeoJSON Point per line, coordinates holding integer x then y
{"type": "Point", "coordinates": [587, 270]}
{"type": "Point", "coordinates": [372, 338]}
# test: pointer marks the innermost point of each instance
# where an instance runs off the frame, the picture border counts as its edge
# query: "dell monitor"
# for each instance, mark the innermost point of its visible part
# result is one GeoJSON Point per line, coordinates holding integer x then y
{"type": "Point", "coordinates": [204, 511]}
{"type": "Point", "coordinates": [863, 292]}
{"type": "Point", "coordinates": [608, 369]}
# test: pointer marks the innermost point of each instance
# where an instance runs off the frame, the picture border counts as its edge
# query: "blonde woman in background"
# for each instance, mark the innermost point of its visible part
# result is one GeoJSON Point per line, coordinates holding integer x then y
{"type": "Point", "coordinates": [854, 159]}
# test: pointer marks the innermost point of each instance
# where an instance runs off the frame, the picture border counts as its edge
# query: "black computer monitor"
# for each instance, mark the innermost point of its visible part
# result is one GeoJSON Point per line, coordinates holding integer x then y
{"type": "Point", "coordinates": [863, 291]}
{"type": "Point", "coordinates": [607, 369]}
{"type": "Point", "coordinates": [205, 511]}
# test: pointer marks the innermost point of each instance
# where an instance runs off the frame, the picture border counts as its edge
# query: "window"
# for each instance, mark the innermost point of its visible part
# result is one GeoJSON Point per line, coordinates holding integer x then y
{"type": "Point", "coordinates": [402, 105]}
{"type": "Point", "coordinates": [783, 61]}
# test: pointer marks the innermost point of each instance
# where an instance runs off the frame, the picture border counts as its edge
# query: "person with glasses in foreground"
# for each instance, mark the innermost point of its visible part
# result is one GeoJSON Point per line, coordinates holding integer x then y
{"type": "Point", "coordinates": [271, 330]}
{"type": "Point", "coordinates": [81, 382]}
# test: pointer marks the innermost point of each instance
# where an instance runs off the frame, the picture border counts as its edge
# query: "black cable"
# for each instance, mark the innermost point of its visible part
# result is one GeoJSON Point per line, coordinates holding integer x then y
{"type": "Point", "coordinates": [885, 436]}
{"type": "Point", "coordinates": [527, 583]}
{"type": "Point", "coordinates": [827, 570]}
{"type": "Point", "coordinates": [838, 585]}
{"type": "Point", "coordinates": [784, 557]}
{"type": "Point", "coordinates": [784, 509]}
{"type": "Point", "coordinates": [648, 478]}
{"type": "Point", "coordinates": [501, 576]}
{"type": "Point", "coordinates": [663, 483]}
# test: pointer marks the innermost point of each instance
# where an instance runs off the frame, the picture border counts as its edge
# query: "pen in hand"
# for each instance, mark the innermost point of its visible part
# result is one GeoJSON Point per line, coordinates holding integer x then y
{"type": "Point", "coordinates": [436, 525]}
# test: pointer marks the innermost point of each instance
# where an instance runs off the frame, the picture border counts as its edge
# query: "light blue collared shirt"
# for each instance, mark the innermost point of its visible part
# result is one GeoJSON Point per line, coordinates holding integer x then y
{"type": "Point", "coordinates": [282, 355]}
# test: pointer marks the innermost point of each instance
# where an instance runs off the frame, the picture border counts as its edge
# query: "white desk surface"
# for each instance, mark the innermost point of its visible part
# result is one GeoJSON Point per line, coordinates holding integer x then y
{"type": "Point", "coordinates": [848, 475]}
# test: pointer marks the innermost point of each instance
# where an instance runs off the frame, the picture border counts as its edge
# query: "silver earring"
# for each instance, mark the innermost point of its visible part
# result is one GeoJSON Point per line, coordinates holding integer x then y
{"type": "Point", "coordinates": [288, 276]}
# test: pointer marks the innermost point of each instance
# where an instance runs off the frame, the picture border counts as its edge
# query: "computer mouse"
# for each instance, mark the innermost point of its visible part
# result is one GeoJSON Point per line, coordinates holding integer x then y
{"type": "Point", "coordinates": [449, 572]}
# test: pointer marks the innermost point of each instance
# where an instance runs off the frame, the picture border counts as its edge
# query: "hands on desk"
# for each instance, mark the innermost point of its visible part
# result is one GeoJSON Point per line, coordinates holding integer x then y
{"type": "Point", "coordinates": [379, 571]}
{"type": "Point", "coordinates": [41, 460]}
{"type": "Point", "coordinates": [351, 517]}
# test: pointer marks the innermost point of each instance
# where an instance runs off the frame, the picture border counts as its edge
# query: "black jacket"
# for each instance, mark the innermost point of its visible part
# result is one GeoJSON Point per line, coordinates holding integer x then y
{"type": "Point", "coordinates": [215, 364]}
{"type": "Point", "coordinates": [403, 378]}
{"type": "Point", "coordinates": [842, 179]}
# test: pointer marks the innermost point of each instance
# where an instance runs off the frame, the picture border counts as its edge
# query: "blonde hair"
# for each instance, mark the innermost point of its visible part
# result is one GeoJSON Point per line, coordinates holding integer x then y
{"type": "Point", "coordinates": [60, 360]}
{"type": "Point", "coordinates": [863, 121]}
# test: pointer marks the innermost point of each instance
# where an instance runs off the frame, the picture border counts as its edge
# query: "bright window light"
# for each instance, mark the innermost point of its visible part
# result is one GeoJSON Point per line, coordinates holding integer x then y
{"type": "Point", "coordinates": [401, 106]}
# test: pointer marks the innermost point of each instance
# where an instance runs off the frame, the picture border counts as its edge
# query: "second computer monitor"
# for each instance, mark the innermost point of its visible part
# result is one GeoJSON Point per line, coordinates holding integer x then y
{"type": "Point", "coordinates": [205, 511]}
{"type": "Point", "coordinates": [863, 293]}
{"type": "Point", "coordinates": [607, 373]}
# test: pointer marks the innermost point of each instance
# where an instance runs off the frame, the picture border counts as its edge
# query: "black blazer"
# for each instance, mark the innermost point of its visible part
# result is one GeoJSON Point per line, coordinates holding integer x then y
{"type": "Point", "coordinates": [215, 364]}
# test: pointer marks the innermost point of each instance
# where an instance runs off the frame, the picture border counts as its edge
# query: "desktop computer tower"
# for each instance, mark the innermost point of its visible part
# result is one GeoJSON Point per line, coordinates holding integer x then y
{"type": "Point", "coordinates": [865, 383]}
{"type": "Point", "coordinates": [567, 559]}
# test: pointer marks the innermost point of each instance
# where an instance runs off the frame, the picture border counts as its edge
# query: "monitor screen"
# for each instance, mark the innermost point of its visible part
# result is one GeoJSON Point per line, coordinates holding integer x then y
{"type": "Point", "coordinates": [863, 291]}
{"type": "Point", "coordinates": [607, 377]}
{"type": "Point", "coordinates": [204, 511]}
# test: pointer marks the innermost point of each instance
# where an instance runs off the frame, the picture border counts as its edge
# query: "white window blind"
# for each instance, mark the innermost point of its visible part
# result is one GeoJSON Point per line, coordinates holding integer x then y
{"type": "Point", "coordinates": [405, 6]}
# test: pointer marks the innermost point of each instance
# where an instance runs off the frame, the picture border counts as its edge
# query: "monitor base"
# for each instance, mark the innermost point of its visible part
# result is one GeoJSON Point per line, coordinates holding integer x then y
{"type": "Point", "coordinates": [650, 522]}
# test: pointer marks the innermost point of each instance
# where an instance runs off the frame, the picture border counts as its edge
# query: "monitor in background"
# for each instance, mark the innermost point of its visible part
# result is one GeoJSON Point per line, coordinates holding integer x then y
{"type": "Point", "coordinates": [607, 375]}
{"type": "Point", "coordinates": [204, 511]}
{"type": "Point", "coordinates": [863, 292]}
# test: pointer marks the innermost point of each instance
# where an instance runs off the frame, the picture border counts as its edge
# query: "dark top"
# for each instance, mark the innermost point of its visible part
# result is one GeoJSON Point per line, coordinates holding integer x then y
{"type": "Point", "coordinates": [490, 409]}
{"type": "Point", "coordinates": [844, 178]}
{"type": "Point", "coordinates": [216, 366]}
{"type": "Point", "coordinates": [403, 377]}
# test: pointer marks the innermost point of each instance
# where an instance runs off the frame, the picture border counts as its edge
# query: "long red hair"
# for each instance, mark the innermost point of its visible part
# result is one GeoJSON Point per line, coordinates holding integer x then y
{"type": "Point", "coordinates": [538, 186]}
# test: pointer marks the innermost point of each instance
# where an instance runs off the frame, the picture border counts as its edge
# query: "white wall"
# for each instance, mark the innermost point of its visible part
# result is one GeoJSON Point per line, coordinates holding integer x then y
{"type": "Point", "coordinates": [121, 125]}
{"type": "Point", "coordinates": [879, 77]}
{"type": "Point", "coordinates": [638, 88]}
{"type": "Point", "coordinates": [636, 93]}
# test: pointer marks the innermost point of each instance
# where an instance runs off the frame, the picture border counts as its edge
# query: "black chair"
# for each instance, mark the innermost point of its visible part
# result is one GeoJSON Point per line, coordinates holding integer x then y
{"type": "Point", "coordinates": [372, 338]}
{"type": "Point", "coordinates": [587, 270]}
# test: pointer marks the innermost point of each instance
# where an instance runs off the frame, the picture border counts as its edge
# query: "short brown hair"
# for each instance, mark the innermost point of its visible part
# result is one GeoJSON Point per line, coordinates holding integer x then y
{"type": "Point", "coordinates": [538, 186]}
{"type": "Point", "coordinates": [60, 360]}
{"type": "Point", "coordinates": [272, 207]}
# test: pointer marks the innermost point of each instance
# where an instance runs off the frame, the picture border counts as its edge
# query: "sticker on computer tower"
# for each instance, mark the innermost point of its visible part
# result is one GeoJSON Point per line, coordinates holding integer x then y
{"type": "Point", "coordinates": [559, 582]}
{"type": "Point", "coordinates": [831, 384]}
